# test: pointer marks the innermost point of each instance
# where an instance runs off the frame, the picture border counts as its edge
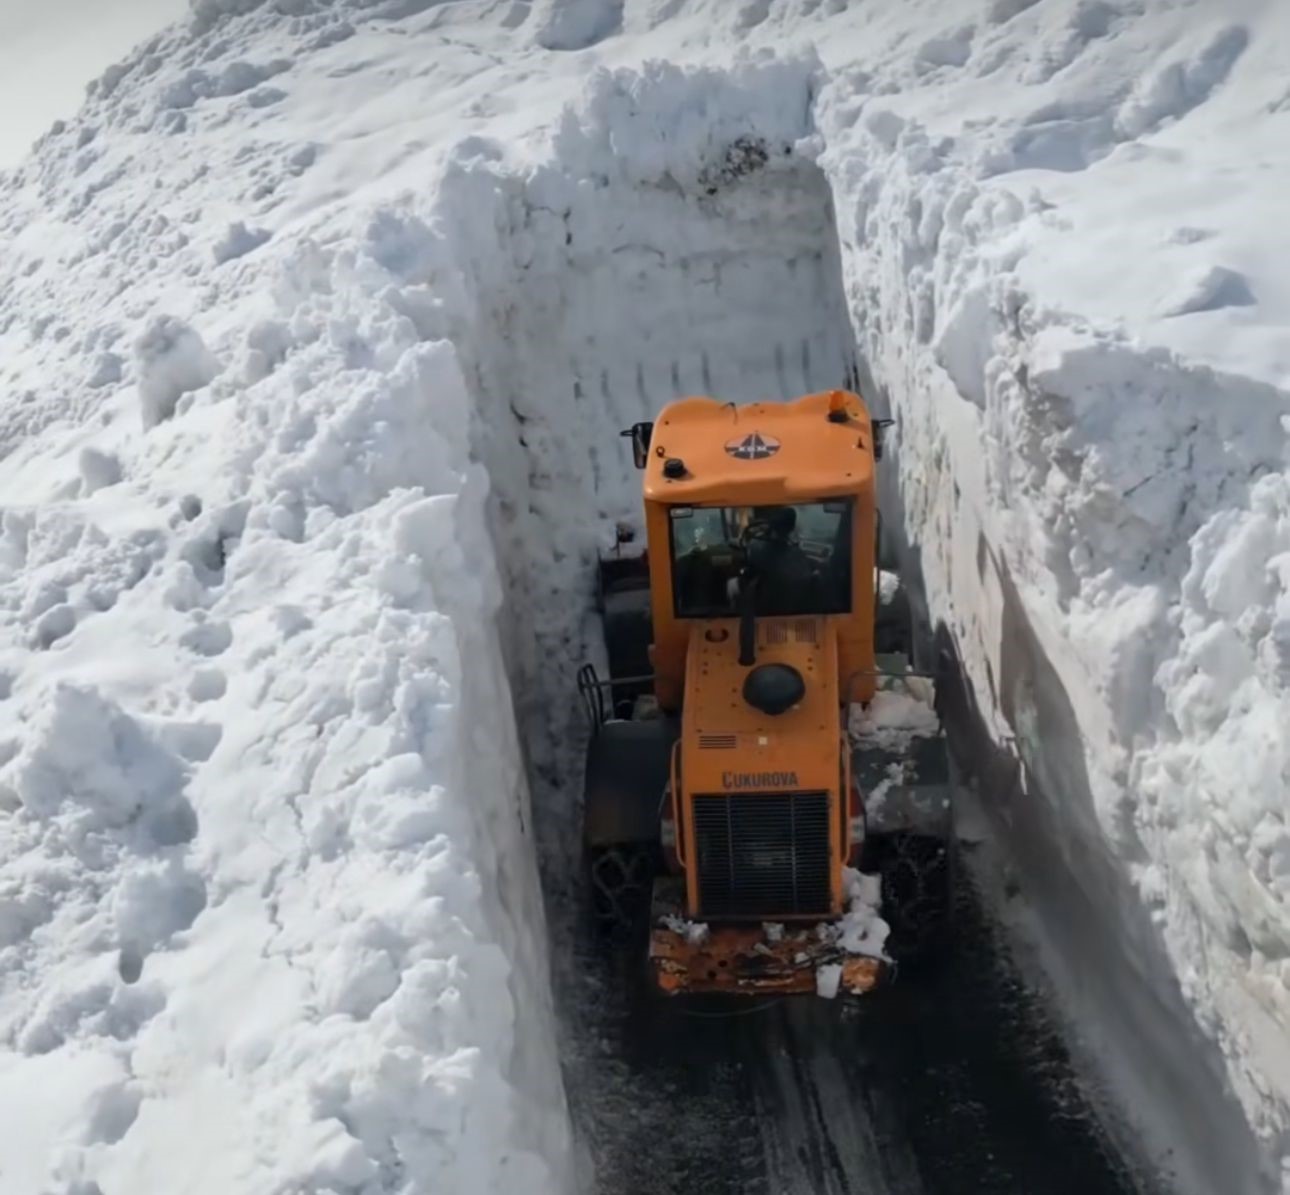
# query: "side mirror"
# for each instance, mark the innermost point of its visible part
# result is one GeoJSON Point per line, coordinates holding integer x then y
{"type": "Point", "coordinates": [640, 435]}
{"type": "Point", "coordinates": [879, 428]}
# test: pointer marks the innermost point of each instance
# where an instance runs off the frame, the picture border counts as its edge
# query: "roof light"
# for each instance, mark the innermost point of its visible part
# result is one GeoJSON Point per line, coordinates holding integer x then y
{"type": "Point", "coordinates": [837, 407]}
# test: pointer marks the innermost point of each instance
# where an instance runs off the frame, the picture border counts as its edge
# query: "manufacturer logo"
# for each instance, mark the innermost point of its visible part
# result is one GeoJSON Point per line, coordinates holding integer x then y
{"type": "Point", "coordinates": [753, 447]}
{"type": "Point", "coordinates": [758, 779]}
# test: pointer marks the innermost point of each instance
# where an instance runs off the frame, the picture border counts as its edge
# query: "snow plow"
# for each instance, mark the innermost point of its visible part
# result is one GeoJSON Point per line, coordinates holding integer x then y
{"type": "Point", "coordinates": [767, 800]}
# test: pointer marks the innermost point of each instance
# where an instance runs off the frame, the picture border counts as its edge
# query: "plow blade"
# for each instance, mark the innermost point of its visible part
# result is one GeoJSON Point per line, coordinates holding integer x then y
{"type": "Point", "coordinates": [689, 958]}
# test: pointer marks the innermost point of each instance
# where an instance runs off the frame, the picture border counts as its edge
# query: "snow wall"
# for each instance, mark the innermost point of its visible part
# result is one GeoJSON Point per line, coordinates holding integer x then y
{"type": "Point", "coordinates": [284, 885]}
{"type": "Point", "coordinates": [269, 917]}
{"type": "Point", "coordinates": [655, 251]}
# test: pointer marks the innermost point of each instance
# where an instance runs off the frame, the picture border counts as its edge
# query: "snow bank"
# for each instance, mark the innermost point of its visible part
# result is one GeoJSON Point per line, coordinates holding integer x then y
{"type": "Point", "coordinates": [268, 910]}
{"type": "Point", "coordinates": [1092, 456]}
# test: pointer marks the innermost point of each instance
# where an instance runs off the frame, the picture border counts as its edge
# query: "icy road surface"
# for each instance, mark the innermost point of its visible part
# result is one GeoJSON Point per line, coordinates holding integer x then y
{"type": "Point", "coordinates": [956, 1080]}
{"type": "Point", "coordinates": [956, 1086]}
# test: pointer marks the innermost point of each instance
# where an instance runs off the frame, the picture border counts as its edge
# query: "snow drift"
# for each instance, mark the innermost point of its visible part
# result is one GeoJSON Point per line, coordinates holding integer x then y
{"type": "Point", "coordinates": [319, 327]}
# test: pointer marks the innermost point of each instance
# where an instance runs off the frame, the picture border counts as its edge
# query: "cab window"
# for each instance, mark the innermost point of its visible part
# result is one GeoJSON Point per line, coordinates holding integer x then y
{"type": "Point", "coordinates": [785, 559]}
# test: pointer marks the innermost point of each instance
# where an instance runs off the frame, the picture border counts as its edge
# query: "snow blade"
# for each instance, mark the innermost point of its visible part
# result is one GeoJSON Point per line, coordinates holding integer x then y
{"type": "Point", "coordinates": [695, 958]}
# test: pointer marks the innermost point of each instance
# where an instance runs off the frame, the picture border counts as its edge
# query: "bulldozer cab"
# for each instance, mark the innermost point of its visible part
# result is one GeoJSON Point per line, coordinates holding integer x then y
{"type": "Point", "coordinates": [793, 559]}
{"type": "Point", "coordinates": [761, 511]}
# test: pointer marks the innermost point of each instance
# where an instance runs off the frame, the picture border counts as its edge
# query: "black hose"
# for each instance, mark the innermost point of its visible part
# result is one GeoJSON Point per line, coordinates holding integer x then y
{"type": "Point", "coordinates": [747, 622]}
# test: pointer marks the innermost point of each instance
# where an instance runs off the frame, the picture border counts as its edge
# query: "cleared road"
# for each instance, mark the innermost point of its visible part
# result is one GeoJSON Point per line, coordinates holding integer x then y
{"type": "Point", "coordinates": [952, 1083]}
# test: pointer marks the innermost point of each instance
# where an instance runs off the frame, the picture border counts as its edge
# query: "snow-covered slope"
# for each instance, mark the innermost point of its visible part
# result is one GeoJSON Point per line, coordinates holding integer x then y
{"type": "Point", "coordinates": [318, 328]}
{"type": "Point", "coordinates": [268, 908]}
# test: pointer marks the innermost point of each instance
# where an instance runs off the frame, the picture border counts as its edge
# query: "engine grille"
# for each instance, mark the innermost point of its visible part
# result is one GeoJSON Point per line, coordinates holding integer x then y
{"type": "Point", "coordinates": [763, 854]}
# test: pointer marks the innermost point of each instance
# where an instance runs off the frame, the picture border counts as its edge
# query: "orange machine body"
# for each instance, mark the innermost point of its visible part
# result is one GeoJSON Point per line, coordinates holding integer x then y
{"type": "Point", "coordinates": [814, 449]}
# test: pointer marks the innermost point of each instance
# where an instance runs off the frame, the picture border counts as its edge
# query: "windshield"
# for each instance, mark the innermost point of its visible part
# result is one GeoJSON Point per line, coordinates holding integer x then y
{"type": "Point", "coordinates": [790, 560]}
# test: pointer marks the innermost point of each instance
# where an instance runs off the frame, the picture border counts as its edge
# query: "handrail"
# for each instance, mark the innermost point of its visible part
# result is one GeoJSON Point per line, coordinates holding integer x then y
{"type": "Point", "coordinates": [844, 801]}
{"type": "Point", "coordinates": [619, 682]}
{"type": "Point", "coordinates": [591, 690]}
{"type": "Point", "coordinates": [677, 823]}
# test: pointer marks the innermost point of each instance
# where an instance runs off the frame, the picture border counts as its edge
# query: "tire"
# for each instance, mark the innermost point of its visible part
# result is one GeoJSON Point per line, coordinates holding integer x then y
{"type": "Point", "coordinates": [621, 884]}
{"type": "Point", "coordinates": [628, 630]}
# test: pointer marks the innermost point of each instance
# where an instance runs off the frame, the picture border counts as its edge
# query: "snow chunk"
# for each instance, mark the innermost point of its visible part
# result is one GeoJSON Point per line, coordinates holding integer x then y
{"type": "Point", "coordinates": [862, 930]}
{"type": "Point", "coordinates": [896, 716]}
{"type": "Point", "coordinates": [877, 796]}
{"type": "Point", "coordinates": [1175, 88]}
{"type": "Point", "coordinates": [1207, 290]}
{"type": "Point", "coordinates": [155, 900]}
{"type": "Point", "coordinates": [574, 24]}
{"type": "Point", "coordinates": [239, 240]}
{"type": "Point", "coordinates": [98, 469]}
{"type": "Point", "coordinates": [264, 97]}
{"type": "Point", "coordinates": [56, 623]}
{"type": "Point", "coordinates": [238, 77]}
{"type": "Point", "coordinates": [946, 49]}
{"type": "Point", "coordinates": [267, 345]}
{"type": "Point", "coordinates": [106, 371]}
{"type": "Point", "coordinates": [964, 343]}
{"type": "Point", "coordinates": [206, 13]}
{"type": "Point", "coordinates": [171, 360]}
{"type": "Point", "coordinates": [694, 932]}
{"type": "Point", "coordinates": [85, 752]}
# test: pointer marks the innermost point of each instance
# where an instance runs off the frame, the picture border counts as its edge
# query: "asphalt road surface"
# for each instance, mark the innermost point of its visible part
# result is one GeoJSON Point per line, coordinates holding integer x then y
{"type": "Point", "coordinates": [949, 1083]}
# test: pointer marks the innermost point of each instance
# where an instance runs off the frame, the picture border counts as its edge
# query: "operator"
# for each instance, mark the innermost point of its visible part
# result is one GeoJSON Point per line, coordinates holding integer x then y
{"type": "Point", "coordinates": [786, 578]}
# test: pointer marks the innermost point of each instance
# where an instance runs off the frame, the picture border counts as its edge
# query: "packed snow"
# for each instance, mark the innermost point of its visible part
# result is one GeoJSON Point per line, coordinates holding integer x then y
{"type": "Point", "coordinates": [903, 709]}
{"type": "Point", "coordinates": [318, 327]}
{"type": "Point", "coordinates": [694, 932]}
{"type": "Point", "coordinates": [861, 929]}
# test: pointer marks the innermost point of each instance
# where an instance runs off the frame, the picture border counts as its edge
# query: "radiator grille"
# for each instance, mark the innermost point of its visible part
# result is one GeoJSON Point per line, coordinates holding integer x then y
{"type": "Point", "coordinates": [717, 742]}
{"type": "Point", "coordinates": [762, 854]}
{"type": "Point", "coordinates": [804, 630]}
{"type": "Point", "coordinates": [777, 633]}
